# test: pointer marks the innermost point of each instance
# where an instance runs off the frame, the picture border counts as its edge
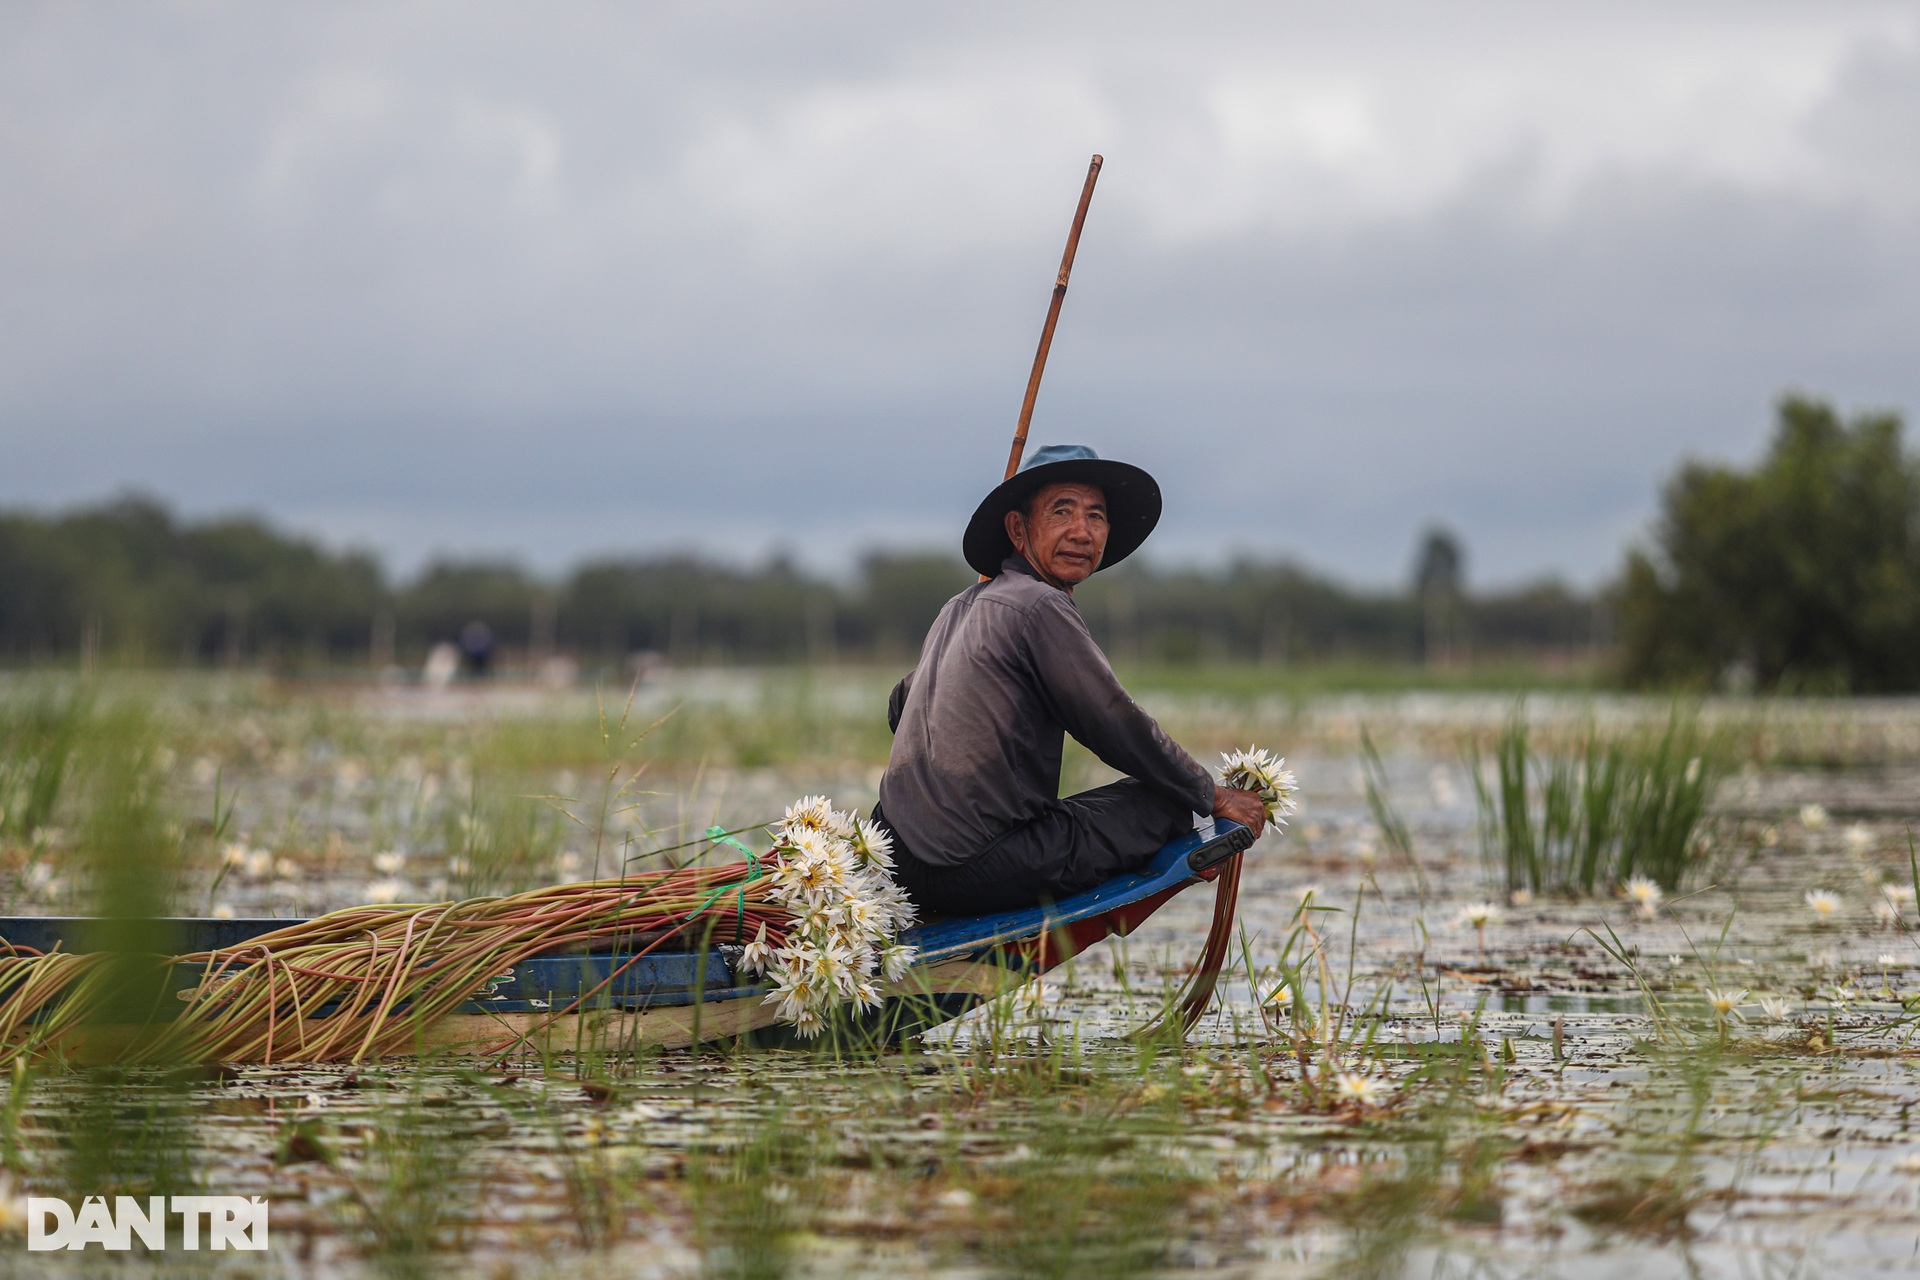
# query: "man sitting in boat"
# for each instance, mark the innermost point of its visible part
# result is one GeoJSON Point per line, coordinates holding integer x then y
{"type": "Point", "coordinates": [971, 791]}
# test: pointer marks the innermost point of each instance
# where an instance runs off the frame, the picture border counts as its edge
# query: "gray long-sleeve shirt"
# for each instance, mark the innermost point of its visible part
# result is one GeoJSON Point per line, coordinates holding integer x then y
{"type": "Point", "coordinates": [1007, 671]}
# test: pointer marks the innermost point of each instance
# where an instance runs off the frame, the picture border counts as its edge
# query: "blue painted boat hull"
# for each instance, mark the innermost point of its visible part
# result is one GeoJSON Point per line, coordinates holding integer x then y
{"type": "Point", "coordinates": [670, 998]}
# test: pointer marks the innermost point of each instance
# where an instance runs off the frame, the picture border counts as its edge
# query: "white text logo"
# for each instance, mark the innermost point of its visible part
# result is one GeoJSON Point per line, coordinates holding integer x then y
{"type": "Point", "coordinates": [232, 1222]}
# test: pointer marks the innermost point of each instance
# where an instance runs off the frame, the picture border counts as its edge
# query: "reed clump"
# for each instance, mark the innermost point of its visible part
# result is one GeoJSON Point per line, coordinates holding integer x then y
{"type": "Point", "coordinates": [412, 1160]}
{"type": "Point", "coordinates": [40, 733]}
{"type": "Point", "coordinates": [1581, 820]}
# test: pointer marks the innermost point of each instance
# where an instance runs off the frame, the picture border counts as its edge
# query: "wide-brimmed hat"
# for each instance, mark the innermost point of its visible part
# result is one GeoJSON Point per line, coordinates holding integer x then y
{"type": "Point", "coordinates": [1133, 503]}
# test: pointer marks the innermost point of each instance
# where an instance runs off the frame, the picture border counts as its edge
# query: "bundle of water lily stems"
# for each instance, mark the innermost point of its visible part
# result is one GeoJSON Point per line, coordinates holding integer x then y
{"type": "Point", "coordinates": [817, 913]}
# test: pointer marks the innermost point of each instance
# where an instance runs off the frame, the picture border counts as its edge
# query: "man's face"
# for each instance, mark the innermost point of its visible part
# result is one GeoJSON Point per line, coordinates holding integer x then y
{"type": "Point", "coordinates": [1063, 532]}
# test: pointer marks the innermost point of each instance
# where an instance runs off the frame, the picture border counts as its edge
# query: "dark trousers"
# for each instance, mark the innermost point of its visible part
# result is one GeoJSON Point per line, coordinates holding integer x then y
{"type": "Point", "coordinates": [1078, 843]}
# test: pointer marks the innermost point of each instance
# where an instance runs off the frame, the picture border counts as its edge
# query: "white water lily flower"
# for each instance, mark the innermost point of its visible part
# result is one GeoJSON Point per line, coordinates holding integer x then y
{"type": "Point", "coordinates": [1859, 836]}
{"type": "Point", "coordinates": [1266, 775]}
{"type": "Point", "coordinates": [832, 965]}
{"type": "Point", "coordinates": [390, 863]}
{"type": "Point", "coordinates": [1520, 898]}
{"type": "Point", "coordinates": [809, 919]}
{"type": "Point", "coordinates": [1645, 895]}
{"type": "Point", "coordinates": [787, 969]}
{"type": "Point", "coordinates": [896, 961]}
{"type": "Point", "coordinates": [382, 892]}
{"type": "Point", "coordinates": [862, 919]}
{"type": "Point", "coordinates": [807, 814]}
{"type": "Point", "coordinates": [1351, 1086]}
{"type": "Point", "coordinates": [1775, 1007]}
{"type": "Point", "coordinates": [1888, 961]}
{"type": "Point", "coordinates": [1813, 816]}
{"type": "Point", "coordinates": [898, 907]}
{"type": "Point", "coordinates": [1822, 904]}
{"type": "Point", "coordinates": [755, 955]}
{"type": "Point", "coordinates": [873, 844]}
{"type": "Point", "coordinates": [828, 870]}
{"type": "Point", "coordinates": [793, 998]}
{"type": "Point", "coordinates": [1726, 1003]}
{"type": "Point", "coordinates": [818, 871]}
{"type": "Point", "coordinates": [1478, 915]}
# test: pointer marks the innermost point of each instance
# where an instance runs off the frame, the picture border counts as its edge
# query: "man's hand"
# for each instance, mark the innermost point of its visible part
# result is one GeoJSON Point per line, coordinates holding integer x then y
{"type": "Point", "coordinates": [1243, 807]}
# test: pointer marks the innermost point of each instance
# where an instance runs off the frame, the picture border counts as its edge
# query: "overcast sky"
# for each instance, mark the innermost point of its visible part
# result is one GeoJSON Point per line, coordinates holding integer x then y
{"type": "Point", "coordinates": [551, 280]}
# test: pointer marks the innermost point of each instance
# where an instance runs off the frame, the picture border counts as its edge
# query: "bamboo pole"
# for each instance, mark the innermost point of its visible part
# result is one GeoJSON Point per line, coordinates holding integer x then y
{"type": "Point", "coordinates": [1053, 317]}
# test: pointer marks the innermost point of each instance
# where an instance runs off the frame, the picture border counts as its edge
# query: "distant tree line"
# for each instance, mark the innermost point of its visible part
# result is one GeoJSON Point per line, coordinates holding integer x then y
{"type": "Point", "coordinates": [1801, 575]}
{"type": "Point", "coordinates": [128, 582]}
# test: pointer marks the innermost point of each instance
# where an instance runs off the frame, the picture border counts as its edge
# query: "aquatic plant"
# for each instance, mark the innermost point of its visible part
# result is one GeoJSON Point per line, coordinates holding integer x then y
{"type": "Point", "coordinates": [818, 907]}
{"type": "Point", "coordinates": [1477, 916]}
{"type": "Point", "coordinates": [41, 734]}
{"type": "Point", "coordinates": [1363, 1091]}
{"type": "Point", "coordinates": [749, 1200]}
{"type": "Point", "coordinates": [1267, 776]}
{"type": "Point", "coordinates": [407, 1166]}
{"type": "Point", "coordinates": [1645, 896]}
{"type": "Point", "coordinates": [845, 916]}
{"type": "Point", "coordinates": [1725, 1006]}
{"type": "Point", "coordinates": [1393, 828]}
{"type": "Point", "coordinates": [1309, 1006]}
{"type": "Point", "coordinates": [1011, 1144]}
{"type": "Point", "coordinates": [1608, 810]}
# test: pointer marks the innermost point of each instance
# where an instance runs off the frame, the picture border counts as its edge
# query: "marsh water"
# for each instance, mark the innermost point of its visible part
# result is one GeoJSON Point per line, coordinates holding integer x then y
{"type": "Point", "coordinates": [1465, 1080]}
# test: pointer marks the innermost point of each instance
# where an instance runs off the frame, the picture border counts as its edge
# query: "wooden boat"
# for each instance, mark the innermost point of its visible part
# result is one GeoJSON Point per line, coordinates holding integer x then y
{"type": "Point", "coordinates": [673, 999]}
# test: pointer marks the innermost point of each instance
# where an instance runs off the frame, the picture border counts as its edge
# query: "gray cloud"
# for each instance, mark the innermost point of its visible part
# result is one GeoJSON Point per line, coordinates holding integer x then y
{"type": "Point", "coordinates": [552, 280]}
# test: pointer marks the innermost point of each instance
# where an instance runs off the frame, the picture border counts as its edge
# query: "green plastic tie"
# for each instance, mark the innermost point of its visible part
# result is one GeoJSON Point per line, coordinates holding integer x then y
{"type": "Point", "coordinates": [718, 835]}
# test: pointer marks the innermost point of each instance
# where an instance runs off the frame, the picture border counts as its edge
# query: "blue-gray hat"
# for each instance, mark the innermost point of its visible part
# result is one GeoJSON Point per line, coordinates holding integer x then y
{"type": "Point", "coordinates": [1133, 503]}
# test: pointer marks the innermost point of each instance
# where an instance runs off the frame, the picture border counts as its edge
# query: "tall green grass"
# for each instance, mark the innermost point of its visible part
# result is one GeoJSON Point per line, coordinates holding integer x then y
{"type": "Point", "coordinates": [39, 734]}
{"type": "Point", "coordinates": [1581, 819]}
{"type": "Point", "coordinates": [410, 1189]}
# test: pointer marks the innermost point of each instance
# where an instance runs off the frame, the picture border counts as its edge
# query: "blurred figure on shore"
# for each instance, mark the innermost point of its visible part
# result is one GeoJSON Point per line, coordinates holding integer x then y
{"type": "Point", "coordinates": [476, 649]}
